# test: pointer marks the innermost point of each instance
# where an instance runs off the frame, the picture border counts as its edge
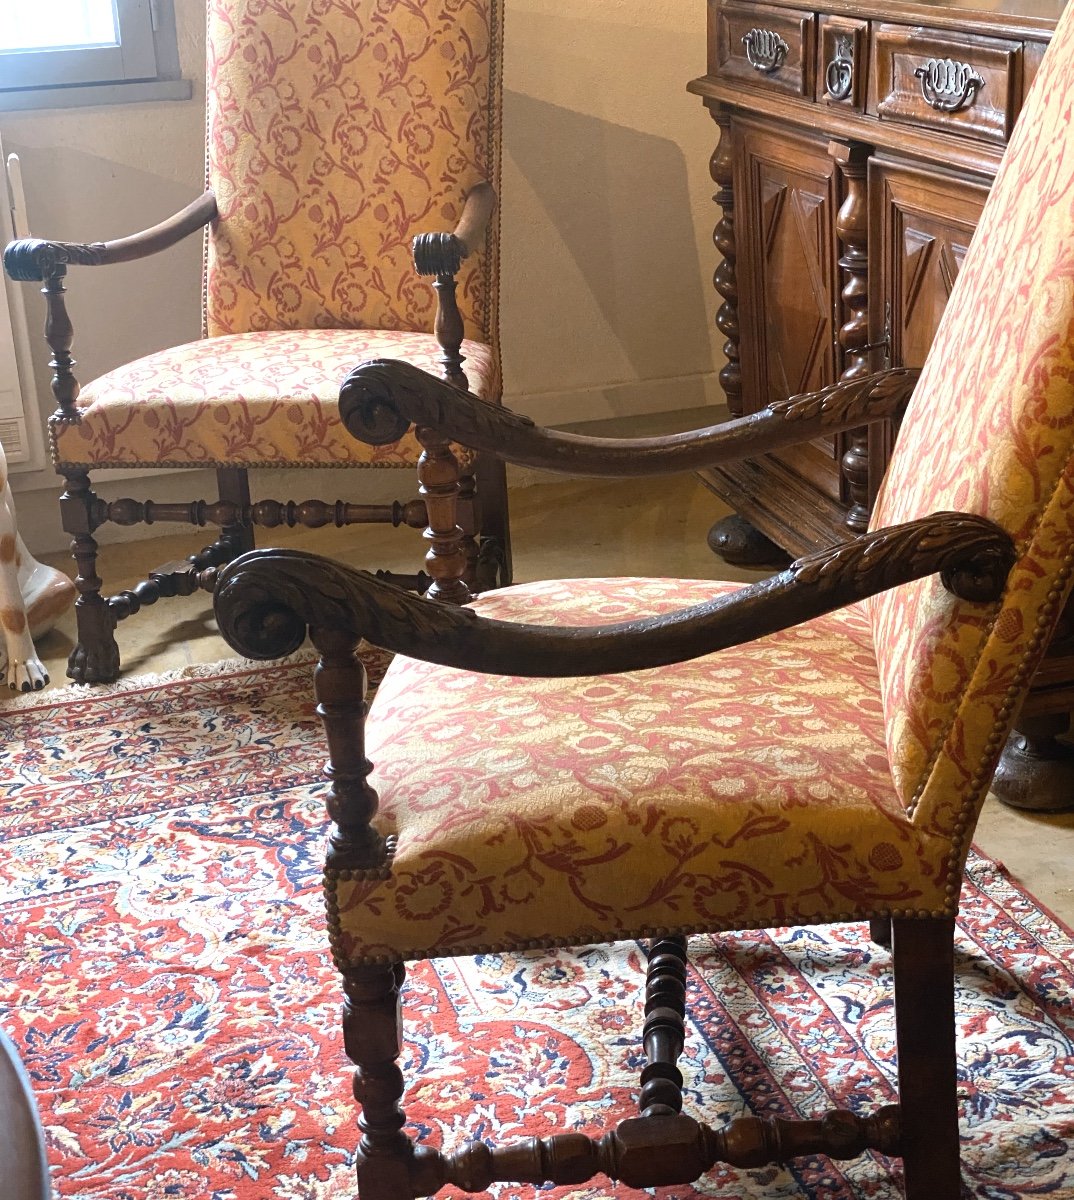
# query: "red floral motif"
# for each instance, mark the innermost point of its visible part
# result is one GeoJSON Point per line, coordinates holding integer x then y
{"type": "Point", "coordinates": [251, 399]}
{"type": "Point", "coordinates": [990, 431]}
{"type": "Point", "coordinates": [336, 133]}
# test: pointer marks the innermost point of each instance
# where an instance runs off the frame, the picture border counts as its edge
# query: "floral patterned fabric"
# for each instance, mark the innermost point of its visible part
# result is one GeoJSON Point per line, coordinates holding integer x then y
{"type": "Point", "coordinates": [256, 399]}
{"type": "Point", "coordinates": [164, 973]}
{"type": "Point", "coordinates": [748, 788]}
{"type": "Point", "coordinates": [336, 133]}
{"type": "Point", "coordinates": [991, 431]}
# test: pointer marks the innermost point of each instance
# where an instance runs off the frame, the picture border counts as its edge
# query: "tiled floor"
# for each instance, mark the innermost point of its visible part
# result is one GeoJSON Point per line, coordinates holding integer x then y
{"type": "Point", "coordinates": [562, 529]}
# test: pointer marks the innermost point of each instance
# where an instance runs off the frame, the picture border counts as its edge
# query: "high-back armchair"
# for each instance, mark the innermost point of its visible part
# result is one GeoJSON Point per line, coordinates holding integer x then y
{"type": "Point", "coordinates": [654, 758]}
{"type": "Point", "coordinates": [352, 158]}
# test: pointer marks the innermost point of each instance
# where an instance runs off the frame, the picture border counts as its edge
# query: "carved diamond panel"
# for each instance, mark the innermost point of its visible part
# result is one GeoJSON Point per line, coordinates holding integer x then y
{"type": "Point", "coordinates": [796, 322]}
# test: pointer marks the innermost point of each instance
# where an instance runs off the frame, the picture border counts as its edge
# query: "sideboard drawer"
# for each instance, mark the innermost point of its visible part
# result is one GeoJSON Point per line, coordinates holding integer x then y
{"type": "Point", "coordinates": [956, 83]}
{"type": "Point", "coordinates": [769, 47]}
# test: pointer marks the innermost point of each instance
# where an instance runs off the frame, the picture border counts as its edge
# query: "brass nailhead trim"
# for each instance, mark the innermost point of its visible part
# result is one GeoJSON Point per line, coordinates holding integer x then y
{"type": "Point", "coordinates": [212, 465]}
{"type": "Point", "coordinates": [937, 750]}
{"type": "Point", "coordinates": [643, 932]}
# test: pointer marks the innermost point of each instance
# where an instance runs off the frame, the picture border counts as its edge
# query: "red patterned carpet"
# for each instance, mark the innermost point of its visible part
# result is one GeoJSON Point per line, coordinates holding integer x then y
{"type": "Point", "coordinates": [164, 976]}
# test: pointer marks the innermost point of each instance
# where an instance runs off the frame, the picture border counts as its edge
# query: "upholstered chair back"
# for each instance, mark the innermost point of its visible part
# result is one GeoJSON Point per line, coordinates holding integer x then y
{"type": "Point", "coordinates": [990, 430]}
{"type": "Point", "coordinates": [336, 132]}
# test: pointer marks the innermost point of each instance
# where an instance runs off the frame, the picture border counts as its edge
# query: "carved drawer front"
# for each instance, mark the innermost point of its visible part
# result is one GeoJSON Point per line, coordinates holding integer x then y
{"type": "Point", "coordinates": [957, 83]}
{"type": "Point", "coordinates": [768, 47]}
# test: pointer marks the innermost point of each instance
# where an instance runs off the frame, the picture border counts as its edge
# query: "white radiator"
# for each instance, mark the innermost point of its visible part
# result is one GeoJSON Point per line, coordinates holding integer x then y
{"type": "Point", "coordinates": [20, 424]}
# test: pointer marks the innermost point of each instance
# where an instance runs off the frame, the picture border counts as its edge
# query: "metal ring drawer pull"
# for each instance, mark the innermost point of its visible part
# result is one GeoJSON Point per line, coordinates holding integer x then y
{"type": "Point", "coordinates": [839, 76]}
{"type": "Point", "coordinates": [765, 50]}
{"type": "Point", "coordinates": [947, 85]}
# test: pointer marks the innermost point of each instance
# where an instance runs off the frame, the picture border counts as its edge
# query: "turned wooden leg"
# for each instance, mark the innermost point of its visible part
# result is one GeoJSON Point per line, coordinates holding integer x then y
{"type": "Point", "coordinates": [880, 931]}
{"type": "Point", "coordinates": [924, 965]}
{"type": "Point", "coordinates": [852, 229]}
{"type": "Point", "coordinates": [373, 1036]}
{"type": "Point", "coordinates": [438, 479]}
{"type": "Point", "coordinates": [1036, 770]}
{"type": "Point", "coordinates": [235, 537]}
{"type": "Point", "coordinates": [468, 517]}
{"type": "Point", "coordinates": [95, 658]}
{"type": "Point", "coordinates": [725, 281]}
{"type": "Point", "coordinates": [665, 1028]}
{"type": "Point", "coordinates": [494, 568]}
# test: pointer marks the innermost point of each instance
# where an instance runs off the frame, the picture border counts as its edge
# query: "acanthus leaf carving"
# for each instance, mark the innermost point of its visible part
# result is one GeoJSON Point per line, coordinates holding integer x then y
{"type": "Point", "coordinates": [379, 401]}
{"type": "Point", "coordinates": [266, 599]}
{"type": "Point", "coordinates": [872, 397]}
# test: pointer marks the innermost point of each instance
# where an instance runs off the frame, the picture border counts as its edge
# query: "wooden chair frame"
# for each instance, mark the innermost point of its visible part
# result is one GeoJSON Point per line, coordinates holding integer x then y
{"type": "Point", "coordinates": [486, 541]}
{"type": "Point", "coordinates": [267, 601]}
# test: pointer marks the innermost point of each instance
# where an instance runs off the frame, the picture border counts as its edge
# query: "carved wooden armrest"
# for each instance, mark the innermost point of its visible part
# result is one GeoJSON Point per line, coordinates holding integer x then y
{"type": "Point", "coordinates": [380, 400]}
{"type": "Point", "coordinates": [441, 255]}
{"type": "Point", "coordinates": [267, 599]}
{"type": "Point", "coordinates": [35, 259]}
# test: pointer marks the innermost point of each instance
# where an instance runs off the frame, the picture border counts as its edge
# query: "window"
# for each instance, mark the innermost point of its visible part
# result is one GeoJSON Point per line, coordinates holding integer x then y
{"type": "Point", "coordinates": [50, 44]}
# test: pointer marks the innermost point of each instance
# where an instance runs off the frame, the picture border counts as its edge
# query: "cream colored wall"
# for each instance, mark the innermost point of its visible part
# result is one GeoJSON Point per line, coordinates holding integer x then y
{"type": "Point", "coordinates": [607, 211]}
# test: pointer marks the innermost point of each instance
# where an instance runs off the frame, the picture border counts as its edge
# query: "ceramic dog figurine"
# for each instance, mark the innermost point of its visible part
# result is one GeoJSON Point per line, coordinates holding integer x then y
{"type": "Point", "coordinates": [32, 596]}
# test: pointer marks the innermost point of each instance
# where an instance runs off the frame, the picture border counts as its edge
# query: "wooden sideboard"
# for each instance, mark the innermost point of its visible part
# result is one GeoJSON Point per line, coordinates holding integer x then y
{"type": "Point", "coordinates": [857, 144]}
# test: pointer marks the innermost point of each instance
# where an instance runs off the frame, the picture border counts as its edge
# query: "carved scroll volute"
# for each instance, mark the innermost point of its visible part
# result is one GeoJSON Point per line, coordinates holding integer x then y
{"type": "Point", "coordinates": [948, 86]}
{"type": "Point", "coordinates": [725, 280]}
{"type": "Point", "coordinates": [852, 230]}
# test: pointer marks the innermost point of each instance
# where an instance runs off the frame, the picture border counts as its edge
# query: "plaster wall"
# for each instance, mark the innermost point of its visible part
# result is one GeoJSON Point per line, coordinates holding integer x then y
{"type": "Point", "coordinates": [607, 217]}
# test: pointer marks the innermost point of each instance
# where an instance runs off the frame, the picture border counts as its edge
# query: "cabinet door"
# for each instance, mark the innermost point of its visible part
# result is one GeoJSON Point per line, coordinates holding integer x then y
{"type": "Point", "coordinates": [920, 224]}
{"type": "Point", "coordinates": [786, 200]}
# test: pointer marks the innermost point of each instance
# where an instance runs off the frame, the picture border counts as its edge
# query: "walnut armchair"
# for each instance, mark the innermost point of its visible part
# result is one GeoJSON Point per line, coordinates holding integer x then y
{"type": "Point", "coordinates": [638, 758]}
{"type": "Point", "coordinates": [338, 136]}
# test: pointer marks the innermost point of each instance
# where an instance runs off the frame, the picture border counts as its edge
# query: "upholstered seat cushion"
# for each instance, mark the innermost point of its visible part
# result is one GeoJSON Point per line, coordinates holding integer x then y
{"type": "Point", "coordinates": [245, 400]}
{"type": "Point", "coordinates": [750, 788]}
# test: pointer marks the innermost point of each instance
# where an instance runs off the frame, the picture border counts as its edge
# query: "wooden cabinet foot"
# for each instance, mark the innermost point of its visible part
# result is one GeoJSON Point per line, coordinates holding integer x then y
{"type": "Point", "coordinates": [1036, 771]}
{"type": "Point", "coordinates": [741, 544]}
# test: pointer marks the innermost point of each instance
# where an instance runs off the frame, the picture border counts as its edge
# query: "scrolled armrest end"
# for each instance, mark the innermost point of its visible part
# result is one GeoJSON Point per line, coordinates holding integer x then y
{"type": "Point", "coordinates": [438, 253]}
{"type": "Point", "coordinates": [32, 260]}
{"type": "Point", "coordinates": [22, 260]}
{"type": "Point", "coordinates": [982, 576]}
{"type": "Point", "coordinates": [255, 620]}
{"type": "Point", "coordinates": [367, 408]}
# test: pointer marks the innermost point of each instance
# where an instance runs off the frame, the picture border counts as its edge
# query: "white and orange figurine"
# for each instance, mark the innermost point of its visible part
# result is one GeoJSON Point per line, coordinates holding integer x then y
{"type": "Point", "coordinates": [32, 596]}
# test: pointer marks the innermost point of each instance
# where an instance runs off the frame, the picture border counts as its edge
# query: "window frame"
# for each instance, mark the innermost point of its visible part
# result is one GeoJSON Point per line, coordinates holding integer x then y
{"type": "Point", "coordinates": [146, 55]}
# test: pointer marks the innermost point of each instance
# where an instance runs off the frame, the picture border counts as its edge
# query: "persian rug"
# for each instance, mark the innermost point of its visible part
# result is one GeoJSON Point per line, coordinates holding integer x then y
{"type": "Point", "coordinates": [164, 975]}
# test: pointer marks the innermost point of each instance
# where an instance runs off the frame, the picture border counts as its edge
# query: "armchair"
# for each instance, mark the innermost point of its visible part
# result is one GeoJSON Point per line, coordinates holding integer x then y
{"type": "Point", "coordinates": [606, 774]}
{"type": "Point", "coordinates": [337, 135]}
